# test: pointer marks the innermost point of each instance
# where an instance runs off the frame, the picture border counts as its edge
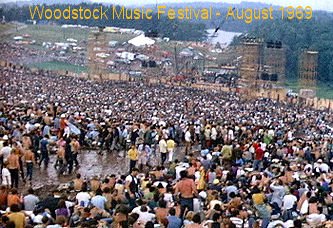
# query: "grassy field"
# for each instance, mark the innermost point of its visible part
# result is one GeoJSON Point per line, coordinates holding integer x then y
{"type": "Point", "coordinates": [324, 90]}
{"type": "Point", "coordinates": [55, 65]}
{"type": "Point", "coordinates": [54, 33]}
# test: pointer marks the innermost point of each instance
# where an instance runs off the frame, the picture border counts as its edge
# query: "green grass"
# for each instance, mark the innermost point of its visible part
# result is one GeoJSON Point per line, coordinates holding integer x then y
{"type": "Point", "coordinates": [52, 33]}
{"type": "Point", "coordinates": [5, 27]}
{"type": "Point", "coordinates": [56, 65]}
{"type": "Point", "coordinates": [324, 90]}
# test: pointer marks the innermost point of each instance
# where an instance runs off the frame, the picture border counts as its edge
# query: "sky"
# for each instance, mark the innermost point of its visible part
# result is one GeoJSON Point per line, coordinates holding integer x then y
{"type": "Point", "coordinates": [315, 4]}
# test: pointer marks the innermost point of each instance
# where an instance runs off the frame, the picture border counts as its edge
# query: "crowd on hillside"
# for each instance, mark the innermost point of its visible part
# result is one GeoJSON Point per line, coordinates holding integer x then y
{"type": "Point", "coordinates": [222, 161]}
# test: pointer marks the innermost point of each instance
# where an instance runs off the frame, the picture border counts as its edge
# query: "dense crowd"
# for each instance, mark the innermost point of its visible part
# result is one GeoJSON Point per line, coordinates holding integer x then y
{"type": "Point", "coordinates": [222, 161]}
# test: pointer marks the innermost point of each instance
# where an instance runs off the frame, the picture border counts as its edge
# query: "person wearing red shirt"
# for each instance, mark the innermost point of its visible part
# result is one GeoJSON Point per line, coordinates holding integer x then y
{"type": "Point", "coordinates": [258, 157]}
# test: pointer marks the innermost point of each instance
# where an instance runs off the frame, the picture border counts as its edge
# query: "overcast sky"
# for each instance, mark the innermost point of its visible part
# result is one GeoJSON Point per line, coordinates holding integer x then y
{"type": "Point", "coordinates": [315, 4]}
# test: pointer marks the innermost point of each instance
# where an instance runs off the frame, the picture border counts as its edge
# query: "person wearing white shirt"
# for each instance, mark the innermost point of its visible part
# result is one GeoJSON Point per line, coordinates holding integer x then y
{"type": "Point", "coordinates": [6, 177]}
{"type": "Point", "coordinates": [5, 151]}
{"type": "Point", "coordinates": [163, 150]}
{"type": "Point", "coordinates": [83, 197]}
{"type": "Point", "coordinates": [288, 204]}
{"type": "Point", "coordinates": [145, 216]}
{"type": "Point", "coordinates": [188, 141]}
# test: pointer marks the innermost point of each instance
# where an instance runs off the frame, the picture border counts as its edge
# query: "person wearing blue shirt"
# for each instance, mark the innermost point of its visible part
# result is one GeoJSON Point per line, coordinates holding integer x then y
{"type": "Point", "coordinates": [44, 150]}
{"type": "Point", "coordinates": [98, 200]}
{"type": "Point", "coordinates": [173, 220]}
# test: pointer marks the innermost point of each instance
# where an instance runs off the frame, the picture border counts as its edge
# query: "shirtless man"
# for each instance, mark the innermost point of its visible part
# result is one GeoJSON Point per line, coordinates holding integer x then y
{"type": "Point", "coordinates": [14, 167]}
{"type": "Point", "coordinates": [29, 158]}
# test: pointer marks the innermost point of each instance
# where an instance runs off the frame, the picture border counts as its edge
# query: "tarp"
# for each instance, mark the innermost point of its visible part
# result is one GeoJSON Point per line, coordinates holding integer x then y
{"type": "Point", "coordinates": [74, 129]}
{"type": "Point", "coordinates": [141, 41]}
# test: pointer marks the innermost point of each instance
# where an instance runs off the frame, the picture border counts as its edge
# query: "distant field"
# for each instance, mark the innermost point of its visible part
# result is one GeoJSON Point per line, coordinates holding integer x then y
{"type": "Point", "coordinates": [324, 90]}
{"type": "Point", "coordinates": [4, 27]}
{"type": "Point", "coordinates": [55, 65]}
{"type": "Point", "coordinates": [52, 33]}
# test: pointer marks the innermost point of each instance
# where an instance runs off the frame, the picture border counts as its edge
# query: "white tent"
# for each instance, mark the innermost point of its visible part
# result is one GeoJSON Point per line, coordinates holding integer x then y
{"type": "Point", "coordinates": [141, 41]}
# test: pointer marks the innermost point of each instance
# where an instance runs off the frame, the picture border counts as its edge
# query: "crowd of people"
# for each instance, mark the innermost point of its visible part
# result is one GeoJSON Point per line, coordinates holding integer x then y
{"type": "Point", "coordinates": [221, 161]}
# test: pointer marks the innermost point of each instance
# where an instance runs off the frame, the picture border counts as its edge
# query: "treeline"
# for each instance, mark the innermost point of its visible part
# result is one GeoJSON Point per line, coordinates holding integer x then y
{"type": "Point", "coordinates": [174, 29]}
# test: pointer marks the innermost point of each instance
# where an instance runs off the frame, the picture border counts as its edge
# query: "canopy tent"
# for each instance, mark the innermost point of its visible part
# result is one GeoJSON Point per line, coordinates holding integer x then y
{"type": "Point", "coordinates": [141, 41]}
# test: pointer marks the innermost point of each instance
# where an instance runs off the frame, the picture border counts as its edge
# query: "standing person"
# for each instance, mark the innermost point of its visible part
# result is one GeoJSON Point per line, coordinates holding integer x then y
{"type": "Point", "coordinates": [132, 187]}
{"type": "Point", "coordinates": [75, 148]}
{"type": "Point", "coordinates": [188, 141]}
{"type": "Point", "coordinates": [69, 155]}
{"type": "Point", "coordinates": [5, 152]}
{"type": "Point", "coordinates": [62, 125]}
{"type": "Point", "coordinates": [19, 151]}
{"type": "Point", "coordinates": [133, 156]}
{"type": "Point", "coordinates": [163, 150]}
{"type": "Point", "coordinates": [259, 156]}
{"type": "Point", "coordinates": [186, 190]}
{"type": "Point", "coordinates": [6, 176]}
{"type": "Point", "coordinates": [44, 151]}
{"type": "Point", "coordinates": [29, 158]}
{"type": "Point", "coordinates": [171, 148]}
{"type": "Point", "coordinates": [13, 167]}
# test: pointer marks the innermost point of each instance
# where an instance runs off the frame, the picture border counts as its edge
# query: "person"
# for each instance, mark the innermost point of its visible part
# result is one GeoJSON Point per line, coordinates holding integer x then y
{"type": "Point", "coordinates": [186, 190]}
{"type": "Point", "coordinates": [62, 210]}
{"type": "Point", "coordinates": [83, 197]}
{"type": "Point", "coordinates": [44, 151]}
{"type": "Point", "coordinates": [173, 220]}
{"type": "Point", "coordinates": [78, 182]}
{"type": "Point", "coordinates": [163, 150]}
{"type": "Point", "coordinates": [69, 155]}
{"type": "Point", "coordinates": [258, 158]}
{"type": "Point", "coordinates": [132, 187]}
{"type": "Point", "coordinates": [76, 149]}
{"type": "Point", "coordinates": [13, 167]}
{"type": "Point", "coordinates": [16, 216]}
{"type": "Point", "coordinates": [6, 176]}
{"type": "Point", "coordinates": [171, 148]}
{"type": "Point", "coordinates": [30, 201]}
{"type": "Point", "coordinates": [188, 141]}
{"type": "Point", "coordinates": [29, 158]}
{"type": "Point", "coordinates": [133, 156]}
{"type": "Point", "coordinates": [99, 200]}
{"type": "Point", "coordinates": [4, 153]}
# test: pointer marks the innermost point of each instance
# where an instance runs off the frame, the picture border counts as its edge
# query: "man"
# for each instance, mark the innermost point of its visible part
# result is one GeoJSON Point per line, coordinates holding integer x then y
{"type": "Point", "coordinates": [5, 152]}
{"type": "Point", "coordinates": [44, 151]}
{"type": "Point", "coordinates": [132, 187]}
{"type": "Point", "coordinates": [133, 156]}
{"type": "Point", "coordinates": [173, 220]}
{"type": "Point", "coordinates": [288, 205]}
{"type": "Point", "coordinates": [171, 148]}
{"type": "Point", "coordinates": [186, 190]}
{"type": "Point", "coordinates": [98, 200]}
{"type": "Point", "coordinates": [69, 155]}
{"type": "Point", "coordinates": [30, 200]}
{"type": "Point", "coordinates": [163, 150]}
{"type": "Point", "coordinates": [13, 167]}
{"type": "Point", "coordinates": [188, 141]}
{"type": "Point", "coordinates": [258, 157]}
{"type": "Point", "coordinates": [75, 148]}
{"type": "Point", "coordinates": [83, 197]}
{"type": "Point", "coordinates": [29, 158]}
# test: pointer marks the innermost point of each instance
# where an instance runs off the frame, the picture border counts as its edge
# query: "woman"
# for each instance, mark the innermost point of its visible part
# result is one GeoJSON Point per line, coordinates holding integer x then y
{"type": "Point", "coordinates": [62, 210]}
